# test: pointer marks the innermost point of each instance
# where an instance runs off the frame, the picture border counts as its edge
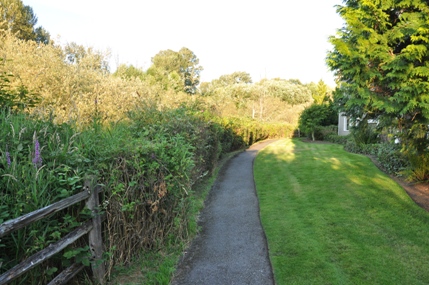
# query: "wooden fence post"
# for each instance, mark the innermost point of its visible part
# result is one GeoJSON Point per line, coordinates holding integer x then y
{"type": "Point", "coordinates": [95, 236]}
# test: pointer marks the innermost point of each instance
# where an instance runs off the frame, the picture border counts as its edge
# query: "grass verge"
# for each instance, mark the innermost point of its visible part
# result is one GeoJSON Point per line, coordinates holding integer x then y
{"type": "Point", "coordinates": [332, 217]}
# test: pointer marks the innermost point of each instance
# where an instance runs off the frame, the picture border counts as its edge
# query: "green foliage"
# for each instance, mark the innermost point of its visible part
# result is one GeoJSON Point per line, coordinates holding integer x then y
{"type": "Point", "coordinates": [320, 92]}
{"type": "Point", "coordinates": [368, 149]}
{"type": "Point", "coordinates": [86, 58]}
{"type": "Point", "coordinates": [80, 255]}
{"type": "Point", "coordinates": [251, 131]}
{"type": "Point", "coordinates": [208, 88]}
{"type": "Point", "coordinates": [17, 99]}
{"type": "Point", "coordinates": [391, 159]}
{"type": "Point", "coordinates": [21, 21]}
{"type": "Point", "coordinates": [388, 154]}
{"type": "Point", "coordinates": [129, 72]}
{"type": "Point", "coordinates": [276, 100]}
{"type": "Point", "coordinates": [183, 63]}
{"type": "Point", "coordinates": [364, 133]}
{"type": "Point", "coordinates": [146, 141]}
{"type": "Point", "coordinates": [335, 138]}
{"type": "Point", "coordinates": [419, 168]}
{"type": "Point", "coordinates": [322, 132]}
{"type": "Point", "coordinates": [292, 92]}
{"type": "Point", "coordinates": [39, 165]}
{"type": "Point", "coordinates": [233, 78]}
{"type": "Point", "coordinates": [381, 60]}
{"type": "Point", "coordinates": [150, 166]}
{"type": "Point", "coordinates": [316, 116]}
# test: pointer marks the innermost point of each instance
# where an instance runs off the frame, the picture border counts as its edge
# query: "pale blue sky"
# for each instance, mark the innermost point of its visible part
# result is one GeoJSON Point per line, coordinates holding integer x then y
{"type": "Point", "coordinates": [270, 38]}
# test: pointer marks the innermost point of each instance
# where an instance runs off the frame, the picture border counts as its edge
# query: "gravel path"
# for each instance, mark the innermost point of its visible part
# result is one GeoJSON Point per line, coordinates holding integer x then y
{"type": "Point", "coordinates": [231, 247]}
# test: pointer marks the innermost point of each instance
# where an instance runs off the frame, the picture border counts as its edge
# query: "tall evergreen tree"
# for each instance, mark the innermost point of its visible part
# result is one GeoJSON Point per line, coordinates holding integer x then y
{"type": "Point", "coordinates": [320, 92]}
{"type": "Point", "coordinates": [381, 60]}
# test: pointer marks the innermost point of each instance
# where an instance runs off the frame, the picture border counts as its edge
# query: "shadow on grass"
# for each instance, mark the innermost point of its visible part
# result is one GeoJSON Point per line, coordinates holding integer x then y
{"type": "Point", "coordinates": [344, 220]}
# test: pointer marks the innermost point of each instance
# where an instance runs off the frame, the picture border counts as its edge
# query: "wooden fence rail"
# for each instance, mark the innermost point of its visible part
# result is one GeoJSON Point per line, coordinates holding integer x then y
{"type": "Point", "coordinates": [91, 227]}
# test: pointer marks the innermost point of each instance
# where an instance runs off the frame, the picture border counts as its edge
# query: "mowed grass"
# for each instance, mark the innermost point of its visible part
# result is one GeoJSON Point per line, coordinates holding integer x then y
{"type": "Point", "coordinates": [331, 217]}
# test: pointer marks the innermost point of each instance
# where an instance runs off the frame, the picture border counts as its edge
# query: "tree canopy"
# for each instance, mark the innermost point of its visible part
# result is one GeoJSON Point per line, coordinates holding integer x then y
{"type": "Point", "coordinates": [129, 72]}
{"type": "Point", "coordinates": [12, 99]}
{"type": "Point", "coordinates": [21, 21]}
{"type": "Point", "coordinates": [291, 91]}
{"type": "Point", "coordinates": [238, 77]}
{"type": "Point", "coordinates": [381, 61]}
{"type": "Point", "coordinates": [320, 92]}
{"type": "Point", "coordinates": [315, 116]}
{"type": "Point", "coordinates": [89, 57]}
{"type": "Point", "coordinates": [233, 78]}
{"type": "Point", "coordinates": [170, 64]}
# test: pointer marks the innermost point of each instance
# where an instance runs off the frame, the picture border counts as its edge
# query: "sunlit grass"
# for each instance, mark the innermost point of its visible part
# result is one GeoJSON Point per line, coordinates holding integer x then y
{"type": "Point", "coordinates": [332, 217]}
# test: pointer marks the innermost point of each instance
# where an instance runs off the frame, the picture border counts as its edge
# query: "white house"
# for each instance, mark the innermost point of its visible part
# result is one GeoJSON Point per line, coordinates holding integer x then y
{"type": "Point", "coordinates": [343, 124]}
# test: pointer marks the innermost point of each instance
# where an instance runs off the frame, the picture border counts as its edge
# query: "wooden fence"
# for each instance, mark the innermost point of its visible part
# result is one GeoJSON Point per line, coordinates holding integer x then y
{"type": "Point", "coordinates": [92, 228]}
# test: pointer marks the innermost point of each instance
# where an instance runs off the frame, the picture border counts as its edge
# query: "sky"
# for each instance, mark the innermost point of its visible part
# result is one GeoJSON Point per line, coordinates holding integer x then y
{"type": "Point", "coordinates": [285, 39]}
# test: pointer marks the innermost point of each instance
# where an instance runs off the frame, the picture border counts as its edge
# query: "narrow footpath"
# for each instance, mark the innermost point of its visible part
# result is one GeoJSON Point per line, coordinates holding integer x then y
{"type": "Point", "coordinates": [231, 247]}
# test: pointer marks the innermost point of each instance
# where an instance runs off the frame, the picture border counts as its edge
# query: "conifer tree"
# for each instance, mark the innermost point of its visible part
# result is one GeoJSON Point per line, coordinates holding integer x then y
{"type": "Point", "coordinates": [381, 60]}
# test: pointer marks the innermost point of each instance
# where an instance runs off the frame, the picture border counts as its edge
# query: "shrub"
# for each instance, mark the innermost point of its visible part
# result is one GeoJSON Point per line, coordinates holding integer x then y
{"type": "Point", "coordinates": [364, 133]}
{"type": "Point", "coordinates": [352, 146]}
{"type": "Point", "coordinates": [14, 99]}
{"type": "Point", "coordinates": [418, 168]}
{"type": "Point", "coordinates": [333, 137]}
{"type": "Point", "coordinates": [148, 164]}
{"type": "Point", "coordinates": [391, 159]}
{"type": "Point", "coordinates": [370, 149]}
{"type": "Point", "coordinates": [364, 139]}
{"type": "Point", "coordinates": [315, 117]}
{"type": "Point", "coordinates": [367, 149]}
{"type": "Point", "coordinates": [322, 132]}
{"type": "Point", "coordinates": [252, 131]}
{"type": "Point", "coordinates": [389, 155]}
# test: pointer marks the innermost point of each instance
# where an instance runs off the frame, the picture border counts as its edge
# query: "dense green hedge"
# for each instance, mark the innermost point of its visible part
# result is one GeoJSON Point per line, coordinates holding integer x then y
{"type": "Point", "coordinates": [147, 163]}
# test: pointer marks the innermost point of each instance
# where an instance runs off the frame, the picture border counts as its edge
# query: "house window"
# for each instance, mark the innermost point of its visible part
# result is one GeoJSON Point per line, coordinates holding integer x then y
{"type": "Point", "coordinates": [346, 123]}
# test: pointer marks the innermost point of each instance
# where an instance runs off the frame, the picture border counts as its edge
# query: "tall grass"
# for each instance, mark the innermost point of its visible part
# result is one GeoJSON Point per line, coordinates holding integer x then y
{"type": "Point", "coordinates": [39, 165]}
{"type": "Point", "coordinates": [332, 217]}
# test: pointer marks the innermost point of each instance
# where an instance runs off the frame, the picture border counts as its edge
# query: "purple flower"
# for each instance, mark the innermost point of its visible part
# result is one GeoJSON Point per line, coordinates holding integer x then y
{"type": "Point", "coordinates": [37, 159]}
{"type": "Point", "coordinates": [9, 162]}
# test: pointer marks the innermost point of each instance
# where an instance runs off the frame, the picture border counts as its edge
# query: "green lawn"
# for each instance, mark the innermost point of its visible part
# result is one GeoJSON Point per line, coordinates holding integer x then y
{"type": "Point", "coordinates": [331, 217]}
